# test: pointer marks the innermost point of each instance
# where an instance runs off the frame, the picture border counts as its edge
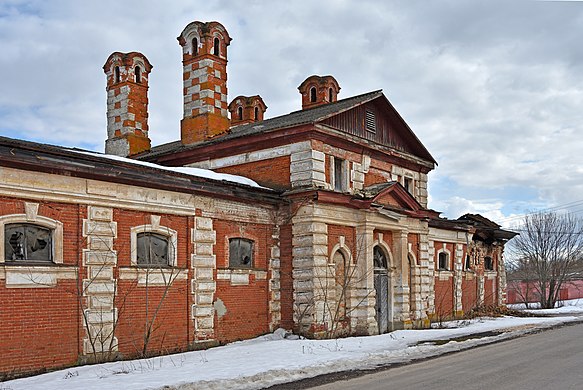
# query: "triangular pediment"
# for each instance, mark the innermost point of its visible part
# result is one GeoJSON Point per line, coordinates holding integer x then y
{"type": "Point", "coordinates": [377, 120]}
{"type": "Point", "coordinates": [392, 195]}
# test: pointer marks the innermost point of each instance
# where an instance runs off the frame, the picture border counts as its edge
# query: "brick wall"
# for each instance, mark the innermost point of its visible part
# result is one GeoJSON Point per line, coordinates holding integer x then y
{"type": "Point", "coordinates": [273, 173]}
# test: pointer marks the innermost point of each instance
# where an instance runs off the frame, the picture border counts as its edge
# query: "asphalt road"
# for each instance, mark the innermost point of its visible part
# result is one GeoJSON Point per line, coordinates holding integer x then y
{"type": "Point", "coordinates": [550, 360]}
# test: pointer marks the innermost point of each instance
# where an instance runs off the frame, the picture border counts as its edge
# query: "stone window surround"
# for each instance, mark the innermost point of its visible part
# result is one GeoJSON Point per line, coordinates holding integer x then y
{"type": "Point", "coordinates": [256, 253]}
{"type": "Point", "coordinates": [154, 227]}
{"type": "Point", "coordinates": [449, 260]}
{"type": "Point", "coordinates": [344, 249]}
{"type": "Point", "coordinates": [56, 228]}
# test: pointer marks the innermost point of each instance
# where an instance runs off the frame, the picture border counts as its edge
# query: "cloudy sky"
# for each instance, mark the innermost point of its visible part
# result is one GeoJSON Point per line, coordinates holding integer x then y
{"type": "Point", "coordinates": [494, 89]}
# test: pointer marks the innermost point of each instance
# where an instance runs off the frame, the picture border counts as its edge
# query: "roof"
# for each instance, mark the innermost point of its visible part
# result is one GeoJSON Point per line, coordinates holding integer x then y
{"type": "Point", "coordinates": [310, 115]}
{"type": "Point", "coordinates": [53, 159]}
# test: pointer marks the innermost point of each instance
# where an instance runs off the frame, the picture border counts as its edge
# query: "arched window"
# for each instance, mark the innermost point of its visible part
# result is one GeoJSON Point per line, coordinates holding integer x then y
{"type": "Point", "coordinates": [240, 113]}
{"type": "Point", "coordinates": [138, 74]}
{"type": "Point", "coordinates": [443, 260]}
{"type": "Point", "coordinates": [256, 113]}
{"type": "Point", "coordinates": [240, 253]}
{"type": "Point", "coordinates": [194, 46]}
{"type": "Point", "coordinates": [313, 94]}
{"type": "Point", "coordinates": [216, 46]}
{"type": "Point", "coordinates": [342, 281]}
{"type": "Point", "coordinates": [27, 242]}
{"type": "Point", "coordinates": [153, 249]}
{"type": "Point", "coordinates": [379, 257]}
{"type": "Point", "coordinates": [116, 74]}
{"type": "Point", "coordinates": [330, 95]}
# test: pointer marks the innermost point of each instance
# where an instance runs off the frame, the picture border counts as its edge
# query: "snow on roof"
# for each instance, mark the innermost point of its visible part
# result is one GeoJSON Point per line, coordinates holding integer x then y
{"type": "Point", "coordinates": [191, 171]}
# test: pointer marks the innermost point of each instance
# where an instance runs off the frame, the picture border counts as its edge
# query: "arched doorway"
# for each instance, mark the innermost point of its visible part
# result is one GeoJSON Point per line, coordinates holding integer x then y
{"type": "Point", "coordinates": [381, 285]}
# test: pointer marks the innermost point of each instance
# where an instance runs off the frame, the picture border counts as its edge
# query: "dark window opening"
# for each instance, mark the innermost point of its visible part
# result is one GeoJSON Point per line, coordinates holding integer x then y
{"type": "Point", "coordinates": [408, 184]}
{"type": "Point", "coordinates": [330, 95]}
{"type": "Point", "coordinates": [370, 121]}
{"type": "Point", "coordinates": [443, 261]}
{"type": "Point", "coordinates": [313, 94]}
{"type": "Point", "coordinates": [240, 253]}
{"type": "Point", "coordinates": [488, 263]}
{"type": "Point", "coordinates": [117, 75]}
{"type": "Point", "coordinates": [153, 249]}
{"type": "Point", "coordinates": [138, 74]}
{"type": "Point", "coordinates": [216, 47]}
{"type": "Point", "coordinates": [468, 262]}
{"type": "Point", "coordinates": [240, 113]}
{"type": "Point", "coordinates": [26, 242]}
{"type": "Point", "coordinates": [339, 181]}
{"type": "Point", "coordinates": [194, 46]}
{"type": "Point", "coordinates": [256, 113]}
{"type": "Point", "coordinates": [379, 258]}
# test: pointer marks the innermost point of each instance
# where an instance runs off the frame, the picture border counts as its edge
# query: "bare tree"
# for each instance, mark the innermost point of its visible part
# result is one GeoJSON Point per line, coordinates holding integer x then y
{"type": "Point", "coordinates": [549, 248]}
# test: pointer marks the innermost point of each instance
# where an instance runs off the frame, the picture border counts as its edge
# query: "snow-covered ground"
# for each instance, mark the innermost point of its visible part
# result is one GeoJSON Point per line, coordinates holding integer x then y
{"type": "Point", "coordinates": [273, 359]}
{"type": "Point", "coordinates": [573, 306]}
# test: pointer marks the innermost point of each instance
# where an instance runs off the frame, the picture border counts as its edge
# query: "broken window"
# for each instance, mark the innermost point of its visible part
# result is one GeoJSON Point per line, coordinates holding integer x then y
{"type": "Point", "coordinates": [339, 175]}
{"type": "Point", "coordinates": [240, 253]}
{"type": "Point", "coordinates": [408, 184]}
{"type": "Point", "coordinates": [443, 261]}
{"type": "Point", "coordinates": [488, 263]}
{"type": "Point", "coordinates": [379, 257]}
{"type": "Point", "coordinates": [27, 242]}
{"type": "Point", "coordinates": [152, 249]}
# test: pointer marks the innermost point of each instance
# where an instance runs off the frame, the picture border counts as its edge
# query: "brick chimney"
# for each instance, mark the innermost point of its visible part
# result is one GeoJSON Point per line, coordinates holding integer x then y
{"type": "Point", "coordinates": [204, 62]}
{"type": "Point", "coordinates": [127, 103]}
{"type": "Point", "coordinates": [318, 90]}
{"type": "Point", "coordinates": [247, 109]}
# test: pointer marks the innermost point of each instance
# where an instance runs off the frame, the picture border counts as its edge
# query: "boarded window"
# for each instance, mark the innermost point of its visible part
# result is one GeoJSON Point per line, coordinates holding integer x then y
{"type": "Point", "coordinates": [443, 261]}
{"type": "Point", "coordinates": [370, 121]}
{"type": "Point", "coordinates": [27, 242]}
{"type": "Point", "coordinates": [153, 249]}
{"type": "Point", "coordinates": [240, 253]}
{"type": "Point", "coordinates": [488, 263]}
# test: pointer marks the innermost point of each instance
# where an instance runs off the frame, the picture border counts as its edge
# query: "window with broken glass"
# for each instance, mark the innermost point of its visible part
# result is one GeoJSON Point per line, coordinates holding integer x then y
{"type": "Point", "coordinates": [27, 243]}
{"type": "Point", "coordinates": [240, 253]}
{"type": "Point", "coordinates": [153, 249]}
{"type": "Point", "coordinates": [488, 263]}
{"type": "Point", "coordinates": [443, 261]}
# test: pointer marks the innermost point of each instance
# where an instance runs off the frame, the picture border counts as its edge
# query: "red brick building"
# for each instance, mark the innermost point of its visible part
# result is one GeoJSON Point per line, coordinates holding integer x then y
{"type": "Point", "coordinates": [105, 256]}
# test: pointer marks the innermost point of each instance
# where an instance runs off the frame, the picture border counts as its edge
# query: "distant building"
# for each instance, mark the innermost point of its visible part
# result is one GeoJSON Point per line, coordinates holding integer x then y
{"type": "Point", "coordinates": [105, 256]}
